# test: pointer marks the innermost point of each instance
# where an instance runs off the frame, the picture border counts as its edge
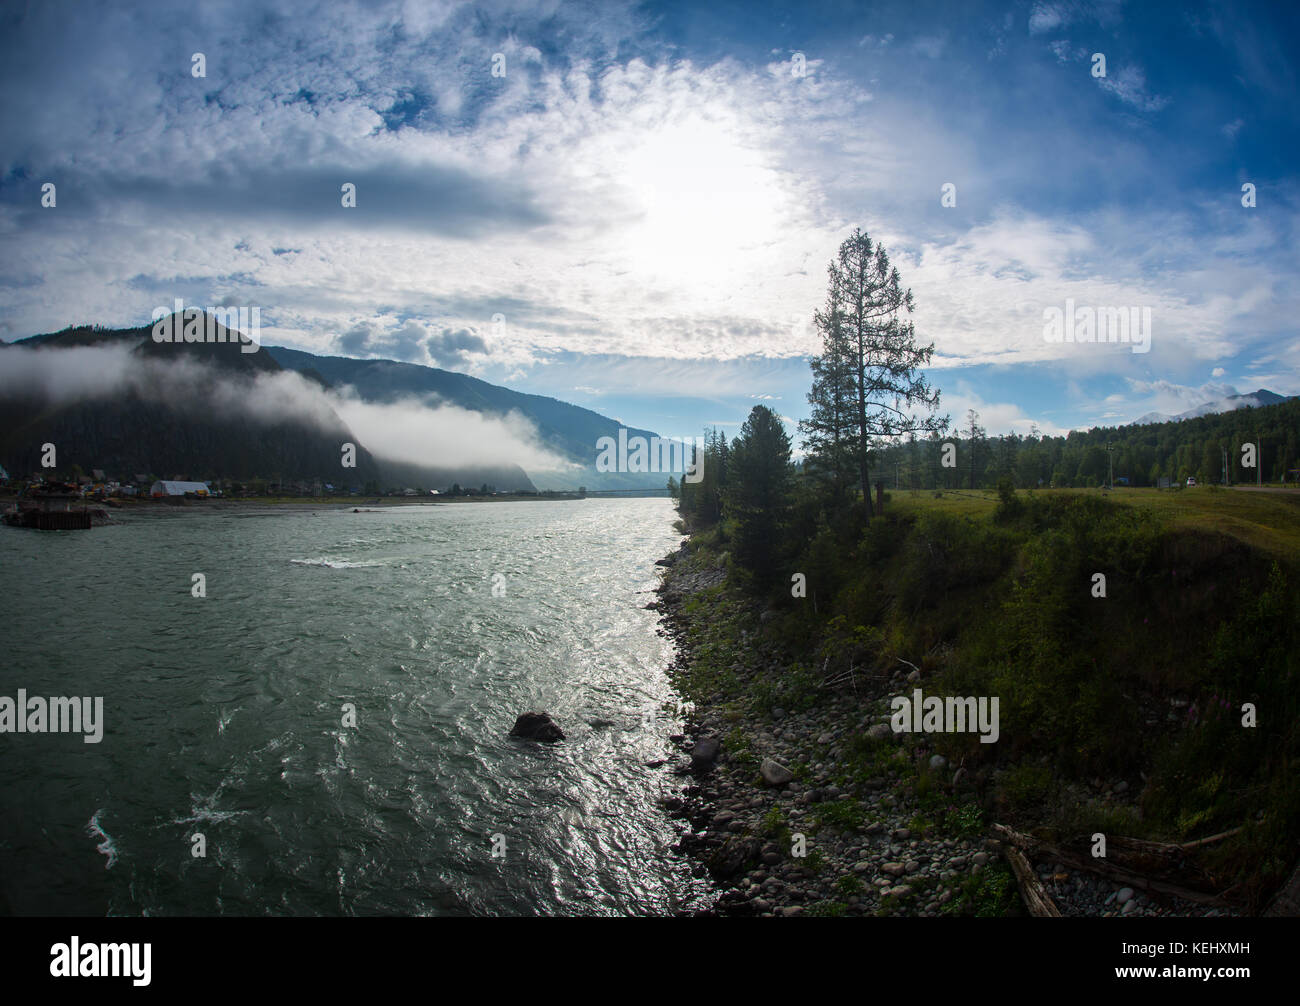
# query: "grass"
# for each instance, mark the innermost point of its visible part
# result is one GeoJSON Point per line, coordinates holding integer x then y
{"type": "Point", "coordinates": [991, 893]}
{"type": "Point", "coordinates": [849, 885]}
{"type": "Point", "coordinates": [775, 826]}
{"type": "Point", "coordinates": [845, 815]}
{"type": "Point", "coordinates": [740, 750]}
{"type": "Point", "coordinates": [1269, 522]}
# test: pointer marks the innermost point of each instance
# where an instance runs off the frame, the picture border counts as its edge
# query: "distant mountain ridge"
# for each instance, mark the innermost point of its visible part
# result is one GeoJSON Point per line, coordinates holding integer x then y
{"type": "Point", "coordinates": [568, 430]}
{"type": "Point", "coordinates": [187, 430]}
{"type": "Point", "coordinates": [1254, 400]}
{"type": "Point", "coordinates": [195, 408]}
{"type": "Point", "coordinates": [169, 418]}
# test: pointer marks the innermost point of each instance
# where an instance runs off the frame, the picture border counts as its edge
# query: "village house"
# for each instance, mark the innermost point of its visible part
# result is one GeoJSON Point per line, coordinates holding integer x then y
{"type": "Point", "coordinates": [170, 487]}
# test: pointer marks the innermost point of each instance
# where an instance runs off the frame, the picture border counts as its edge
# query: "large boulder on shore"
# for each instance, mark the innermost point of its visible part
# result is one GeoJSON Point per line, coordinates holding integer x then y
{"type": "Point", "coordinates": [704, 753]}
{"type": "Point", "coordinates": [537, 727]}
{"type": "Point", "coordinates": [774, 773]}
{"type": "Point", "coordinates": [734, 855]}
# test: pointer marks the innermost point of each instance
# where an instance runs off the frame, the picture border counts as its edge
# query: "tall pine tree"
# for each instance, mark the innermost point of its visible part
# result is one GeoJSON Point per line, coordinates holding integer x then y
{"type": "Point", "coordinates": [828, 432]}
{"type": "Point", "coordinates": [866, 382]}
{"type": "Point", "coordinates": [758, 493]}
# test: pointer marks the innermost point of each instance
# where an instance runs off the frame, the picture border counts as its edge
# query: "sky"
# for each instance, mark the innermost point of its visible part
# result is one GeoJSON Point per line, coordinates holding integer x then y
{"type": "Point", "coordinates": [631, 207]}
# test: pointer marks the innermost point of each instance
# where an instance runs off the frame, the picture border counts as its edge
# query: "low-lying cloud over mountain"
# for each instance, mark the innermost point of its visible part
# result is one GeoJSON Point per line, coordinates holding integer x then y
{"type": "Point", "coordinates": [125, 375]}
{"type": "Point", "coordinates": [556, 441]}
{"type": "Point", "coordinates": [112, 398]}
{"type": "Point", "coordinates": [1225, 399]}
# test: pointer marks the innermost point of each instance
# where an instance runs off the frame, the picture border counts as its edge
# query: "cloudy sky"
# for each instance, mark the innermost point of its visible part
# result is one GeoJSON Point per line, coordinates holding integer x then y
{"type": "Point", "coordinates": [631, 207]}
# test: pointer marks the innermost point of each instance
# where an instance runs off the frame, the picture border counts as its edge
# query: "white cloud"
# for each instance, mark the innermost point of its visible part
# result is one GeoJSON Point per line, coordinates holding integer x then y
{"type": "Point", "coordinates": [1045, 17]}
{"type": "Point", "coordinates": [1172, 398]}
{"type": "Point", "coordinates": [443, 435]}
{"type": "Point", "coordinates": [1130, 86]}
{"type": "Point", "coordinates": [683, 211]}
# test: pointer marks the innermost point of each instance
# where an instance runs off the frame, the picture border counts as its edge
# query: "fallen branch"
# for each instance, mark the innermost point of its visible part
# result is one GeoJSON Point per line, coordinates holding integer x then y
{"type": "Point", "coordinates": [1213, 838]}
{"type": "Point", "coordinates": [1167, 849]}
{"type": "Point", "coordinates": [1035, 896]}
{"type": "Point", "coordinates": [1128, 877]}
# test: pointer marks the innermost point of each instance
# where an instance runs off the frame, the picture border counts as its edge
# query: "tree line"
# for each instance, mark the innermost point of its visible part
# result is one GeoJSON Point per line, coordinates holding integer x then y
{"type": "Point", "coordinates": [1140, 455]}
{"type": "Point", "coordinates": [874, 420]}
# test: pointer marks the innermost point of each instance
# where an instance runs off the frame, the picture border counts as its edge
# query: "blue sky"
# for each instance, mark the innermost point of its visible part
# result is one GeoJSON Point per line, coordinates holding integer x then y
{"type": "Point", "coordinates": [637, 216]}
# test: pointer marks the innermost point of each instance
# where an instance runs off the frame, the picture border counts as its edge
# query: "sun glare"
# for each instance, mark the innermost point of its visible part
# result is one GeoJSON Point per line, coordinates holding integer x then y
{"type": "Point", "coordinates": [707, 202]}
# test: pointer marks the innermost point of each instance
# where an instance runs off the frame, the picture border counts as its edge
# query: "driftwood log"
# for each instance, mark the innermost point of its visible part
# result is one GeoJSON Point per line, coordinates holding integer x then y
{"type": "Point", "coordinates": [1135, 860]}
{"type": "Point", "coordinates": [1035, 896]}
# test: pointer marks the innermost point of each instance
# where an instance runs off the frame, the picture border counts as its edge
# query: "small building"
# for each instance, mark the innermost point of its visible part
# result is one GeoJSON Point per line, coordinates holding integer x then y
{"type": "Point", "coordinates": [170, 487]}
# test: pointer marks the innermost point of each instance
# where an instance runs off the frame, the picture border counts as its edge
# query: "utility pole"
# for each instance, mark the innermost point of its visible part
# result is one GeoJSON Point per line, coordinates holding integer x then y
{"type": "Point", "coordinates": [1259, 461]}
{"type": "Point", "coordinates": [1110, 453]}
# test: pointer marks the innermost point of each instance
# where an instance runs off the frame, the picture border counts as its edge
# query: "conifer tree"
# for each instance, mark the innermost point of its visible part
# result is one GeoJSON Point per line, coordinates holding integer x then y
{"type": "Point", "coordinates": [758, 493]}
{"type": "Point", "coordinates": [866, 382]}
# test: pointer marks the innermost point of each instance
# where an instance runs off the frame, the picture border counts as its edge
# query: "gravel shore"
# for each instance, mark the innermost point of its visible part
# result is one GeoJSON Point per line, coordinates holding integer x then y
{"type": "Point", "coordinates": [810, 841]}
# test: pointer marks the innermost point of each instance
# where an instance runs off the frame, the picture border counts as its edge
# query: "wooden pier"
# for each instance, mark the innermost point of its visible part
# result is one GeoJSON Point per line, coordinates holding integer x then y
{"type": "Point", "coordinates": [51, 520]}
{"type": "Point", "coordinates": [51, 510]}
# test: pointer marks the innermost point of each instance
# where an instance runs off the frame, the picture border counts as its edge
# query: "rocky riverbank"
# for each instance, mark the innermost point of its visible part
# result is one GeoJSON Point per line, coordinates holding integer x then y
{"type": "Point", "coordinates": [822, 809]}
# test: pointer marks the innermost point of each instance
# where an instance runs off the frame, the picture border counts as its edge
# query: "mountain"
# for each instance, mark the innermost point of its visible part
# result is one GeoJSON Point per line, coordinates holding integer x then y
{"type": "Point", "coordinates": [1253, 400]}
{"type": "Point", "coordinates": [567, 430]}
{"type": "Point", "coordinates": [208, 409]}
{"type": "Point", "coordinates": [172, 408]}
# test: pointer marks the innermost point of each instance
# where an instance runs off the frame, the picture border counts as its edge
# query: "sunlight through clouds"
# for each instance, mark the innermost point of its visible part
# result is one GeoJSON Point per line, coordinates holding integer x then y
{"type": "Point", "coordinates": [612, 192]}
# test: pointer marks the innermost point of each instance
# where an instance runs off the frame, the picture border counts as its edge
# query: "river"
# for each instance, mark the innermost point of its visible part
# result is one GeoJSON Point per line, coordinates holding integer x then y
{"type": "Point", "coordinates": [227, 716]}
